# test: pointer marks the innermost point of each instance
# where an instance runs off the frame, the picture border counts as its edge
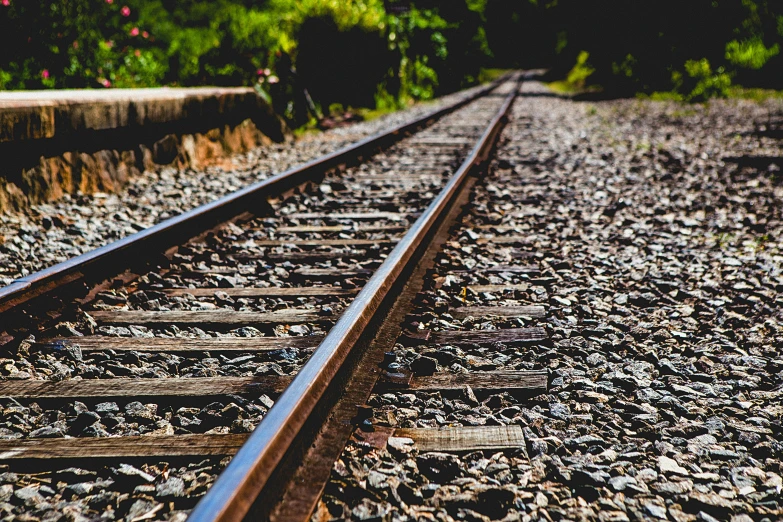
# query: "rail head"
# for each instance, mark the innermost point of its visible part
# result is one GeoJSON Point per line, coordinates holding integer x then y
{"type": "Point", "coordinates": [144, 244]}
{"type": "Point", "coordinates": [232, 495]}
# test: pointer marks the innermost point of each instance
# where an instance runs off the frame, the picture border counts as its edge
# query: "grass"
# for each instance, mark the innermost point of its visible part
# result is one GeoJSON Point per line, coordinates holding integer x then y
{"type": "Point", "coordinates": [371, 114]}
{"type": "Point", "coordinates": [488, 75]}
{"type": "Point", "coordinates": [760, 242]}
{"type": "Point", "coordinates": [562, 87]}
{"type": "Point", "coordinates": [724, 239]}
{"type": "Point", "coordinates": [566, 88]}
{"type": "Point", "coordinates": [735, 92]}
{"type": "Point", "coordinates": [311, 127]}
{"type": "Point", "coordinates": [754, 94]}
{"type": "Point", "coordinates": [661, 96]}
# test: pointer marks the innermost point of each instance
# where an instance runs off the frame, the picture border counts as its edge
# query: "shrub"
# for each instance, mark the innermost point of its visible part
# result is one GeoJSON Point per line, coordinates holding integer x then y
{"type": "Point", "coordinates": [751, 54]}
{"type": "Point", "coordinates": [708, 84]}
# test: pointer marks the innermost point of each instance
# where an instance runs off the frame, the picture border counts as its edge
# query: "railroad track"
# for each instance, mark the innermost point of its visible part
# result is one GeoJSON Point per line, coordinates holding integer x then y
{"type": "Point", "coordinates": [275, 307]}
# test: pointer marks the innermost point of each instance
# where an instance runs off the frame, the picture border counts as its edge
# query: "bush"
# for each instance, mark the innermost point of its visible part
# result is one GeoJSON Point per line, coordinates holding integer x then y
{"type": "Point", "coordinates": [708, 84]}
{"type": "Point", "coordinates": [751, 54]}
{"type": "Point", "coordinates": [342, 51]}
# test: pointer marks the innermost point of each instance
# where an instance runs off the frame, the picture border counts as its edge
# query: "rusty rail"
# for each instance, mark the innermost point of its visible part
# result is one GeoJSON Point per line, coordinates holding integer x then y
{"type": "Point", "coordinates": [248, 475]}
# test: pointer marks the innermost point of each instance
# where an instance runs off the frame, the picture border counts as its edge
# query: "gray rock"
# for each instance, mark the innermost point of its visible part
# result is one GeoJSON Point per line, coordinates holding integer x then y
{"type": "Point", "coordinates": [128, 473]}
{"type": "Point", "coordinates": [655, 510]}
{"type": "Point", "coordinates": [28, 496]}
{"type": "Point", "coordinates": [47, 432]}
{"type": "Point", "coordinates": [559, 410]}
{"type": "Point", "coordinates": [620, 483]}
{"type": "Point", "coordinates": [172, 487]}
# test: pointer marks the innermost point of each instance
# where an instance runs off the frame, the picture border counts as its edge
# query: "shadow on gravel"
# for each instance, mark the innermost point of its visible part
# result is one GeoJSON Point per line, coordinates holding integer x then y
{"type": "Point", "coordinates": [544, 95]}
{"type": "Point", "coordinates": [601, 96]}
{"type": "Point", "coordinates": [581, 97]}
{"type": "Point", "coordinates": [772, 130]}
{"type": "Point", "coordinates": [769, 163]}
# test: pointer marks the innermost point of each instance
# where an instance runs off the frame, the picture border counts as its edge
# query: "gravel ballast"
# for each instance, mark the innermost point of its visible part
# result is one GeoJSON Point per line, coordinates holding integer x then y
{"type": "Point", "coordinates": [657, 229]}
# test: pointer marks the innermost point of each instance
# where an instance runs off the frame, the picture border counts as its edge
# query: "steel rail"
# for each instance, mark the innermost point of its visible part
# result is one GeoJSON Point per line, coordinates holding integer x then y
{"type": "Point", "coordinates": [142, 246]}
{"type": "Point", "coordinates": [239, 485]}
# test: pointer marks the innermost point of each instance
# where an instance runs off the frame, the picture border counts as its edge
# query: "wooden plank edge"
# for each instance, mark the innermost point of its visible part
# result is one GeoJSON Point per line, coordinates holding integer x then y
{"type": "Point", "coordinates": [88, 344]}
{"type": "Point", "coordinates": [195, 445]}
{"type": "Point", "coordinates": [293, 292]}
{"type": "Point", "coordinates": [449, 440]}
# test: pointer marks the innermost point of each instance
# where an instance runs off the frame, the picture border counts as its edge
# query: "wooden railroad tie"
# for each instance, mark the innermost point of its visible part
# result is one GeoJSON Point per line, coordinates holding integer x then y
{"type": "Point", "coordinates": [310, 229]}
{"type": "Point", "coordinates": [97, 343]}
{"type": "Point", "coordinates": [332, 273]}
{"type": "Point", "coordinates": [271, 291]}
{"type": "Point", "coordinates": [479, 289]}
{"type": "Point", "coordinates": [505, 335]}
{"type": "Point", "coordinates": [364, 216]}
{"type": "Point", "coordinates": [323, 242]}
{"type": "Point", "coordinates": [305, 257]}
{"type": "Point", "coordinates": [210, 318]}
{"type": "Point", "coordinates": [512, 269]}
{"type": "Point", "coordinates": [534, 311]}
{"type": "Point", "coordinates": [512, 381]}
{"type": "Point", "coordinates": [197, 445]}
{"type": "Point", "coordinates": [452, 440]}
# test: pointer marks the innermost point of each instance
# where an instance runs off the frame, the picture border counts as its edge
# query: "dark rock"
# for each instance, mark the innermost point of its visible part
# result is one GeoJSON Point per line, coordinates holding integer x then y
{"type": "Point", "coordinates": [439, 467]}
{"type": "Point", "coordinates": [596, 478]}
{"type": "Point", "coordinates": [424, 366]}
{"type": "Point", "coordinates": [83, 420]}
{"type": "Point", "coordinates": [165, 150]}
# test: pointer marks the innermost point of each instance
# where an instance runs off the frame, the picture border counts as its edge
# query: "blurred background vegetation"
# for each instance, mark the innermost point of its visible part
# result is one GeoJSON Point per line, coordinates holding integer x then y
{"type": "Point", "coordinates": [308, 56]}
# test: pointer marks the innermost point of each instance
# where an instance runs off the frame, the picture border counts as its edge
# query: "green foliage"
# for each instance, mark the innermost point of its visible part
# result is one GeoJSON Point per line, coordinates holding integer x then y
{"type": "Point", "coordinates": [624, 68]}
{"type": "Point", "coordinates": [755, 94]}
{"type": "Point", "coordinates": [576, 79]}
{"type": "Point", "coordinates": [752, 54]}
{"type": "Point", "coordinates": [662, 96]}
{"type": "Point", "coordinates": [488, 75]}
{"type": "Point", "coordinates": [423, 79]}
{"type": "Point", "coordinates": [636, 47]}
{"type": "Point", "coordinates": [143, 43]}
{"type": "Point", "coordinates": [581, 70]}
{"type": "Point", "coordinates": [709, 84]}
{"type": "Point", "coordinates": [433, 48]}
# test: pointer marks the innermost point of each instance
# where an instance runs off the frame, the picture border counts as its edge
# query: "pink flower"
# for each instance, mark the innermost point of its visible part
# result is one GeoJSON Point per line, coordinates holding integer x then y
{"type": "Point", "coordinates": [6, 2]}
{"type": "Point", "coordinates": [45, 74]}
{"type": "Point", "coordinates": [106, 83]}
{"type": "Point", "coordinates": [109, 44]}
{"type": "Point", "coordinates": [109, 1]}
{"type": "Point", "coordinates": [75, 44]}
{"type": "Point", "coordinates": [145, 34]}
{"type": "Point", "coordinates": [260, 72]}
{"type": "Point", "coordinates": [274, 79]}
{"type": "Point", "coordinates": [137, 53]}
{"type": "Point", "coordinates": [125, 10]}
{"type": "Point", "coordinates": [134, 31]}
